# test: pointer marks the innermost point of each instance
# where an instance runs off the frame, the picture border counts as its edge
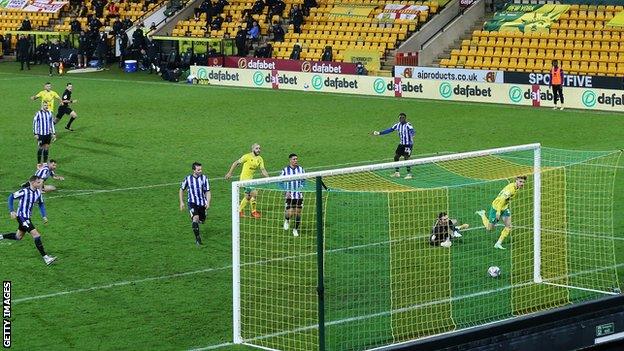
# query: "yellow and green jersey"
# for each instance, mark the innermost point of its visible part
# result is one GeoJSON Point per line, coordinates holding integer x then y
{"type": "Point", "coordinates": [501, 202]}
{"type": "Point", "coordinates": [250, 163]}
{"type": "Point", "coordinates": [48, 96]}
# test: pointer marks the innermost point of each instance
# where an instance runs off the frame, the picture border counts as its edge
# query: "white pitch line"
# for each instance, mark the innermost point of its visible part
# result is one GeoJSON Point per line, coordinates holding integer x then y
{"type": "Point", "coordinates": [102, 191]}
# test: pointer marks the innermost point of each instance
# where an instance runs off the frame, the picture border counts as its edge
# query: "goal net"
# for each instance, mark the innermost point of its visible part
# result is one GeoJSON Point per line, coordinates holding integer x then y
{"type": "Point", "coordinates": [362, 272]}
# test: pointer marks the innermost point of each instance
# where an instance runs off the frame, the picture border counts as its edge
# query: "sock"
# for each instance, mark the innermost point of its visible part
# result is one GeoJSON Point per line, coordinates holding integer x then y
{"type": "Point", "coordinates": [9, 236]}
{"type": "Point", "coordinates": [396, 169]}
{"type": "Point", "coordinates": [45, 155]}
{"type": "Point", "coordinates": [195, 226]}
{"type": "Point", "coordinates": [243, 204]}
{"type": "Point", "coordinates": [409, 170]}
{"type": "Point", "coordinates": [485, 220]}
{"type": "Point", "coordinates": [503, 235]}
{"type": "Point", "coordinates": [39, 154]}
{"type": "Point", "coordinates": [71, 120]}
{"type": "Point", "coordinates": [297, 221]}
{"type": "Point", "coordinates": [253, 204]}
{"type": "Point", "coordinates": [39, 246]}
{"type": "Point", "coordinates": [50, 69]}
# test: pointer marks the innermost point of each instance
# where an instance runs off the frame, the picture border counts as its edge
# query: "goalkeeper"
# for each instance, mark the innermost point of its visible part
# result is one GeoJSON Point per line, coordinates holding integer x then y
{"type": "Point", "coordinates": [500, 208]}
{"type": "Point", "coordinates": [444, 230]}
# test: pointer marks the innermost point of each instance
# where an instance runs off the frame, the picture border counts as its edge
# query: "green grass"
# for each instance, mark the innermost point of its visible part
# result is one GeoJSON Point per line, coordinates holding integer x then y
{"type": "Point", "coordinates": [136, 137]}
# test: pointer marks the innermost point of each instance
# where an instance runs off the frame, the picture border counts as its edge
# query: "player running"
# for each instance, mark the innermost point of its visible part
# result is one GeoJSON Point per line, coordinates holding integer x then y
{"type": "Point", "coordinates": [406, 135]}
{"type": "Point", "coordinates": [251, 162]}
{"type": "Point", "coordinates": [47, 95]}
{"type": "Point", "coordinates": [500, 208]}
{"type": "Point", "coordinates": [28, 197]}
{"type": "Point", "coordinates": [64, 109]}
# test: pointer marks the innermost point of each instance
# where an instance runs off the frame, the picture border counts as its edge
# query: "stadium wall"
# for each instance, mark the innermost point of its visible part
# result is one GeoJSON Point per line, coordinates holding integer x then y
{"type": "Point", "coordinates": [447, 36]}
{"type": "Point", "coordinates": [482, 92]}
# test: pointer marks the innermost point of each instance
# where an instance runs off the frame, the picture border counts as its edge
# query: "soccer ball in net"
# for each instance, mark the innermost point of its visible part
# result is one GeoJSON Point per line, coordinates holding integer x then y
{"type": "Point", "coordinates": [494, 271]}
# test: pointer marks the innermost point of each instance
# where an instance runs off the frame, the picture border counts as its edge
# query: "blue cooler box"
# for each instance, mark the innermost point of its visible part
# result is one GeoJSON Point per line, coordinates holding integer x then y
{"type": "Point", "coordinates": [130, 66]}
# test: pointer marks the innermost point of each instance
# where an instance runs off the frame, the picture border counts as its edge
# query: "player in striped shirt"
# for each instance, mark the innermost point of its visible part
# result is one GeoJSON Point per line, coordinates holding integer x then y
{"type": "Point", "coordinates": [406, 135]}
{"type": "Point", "coordinates": [47, 95]}
{"type": "Point", "coordinates": [45, 172]}
{"type": "Point", "coordinates": [44, 132]}
{"type": "Point", "coordinates": [500, 208]}
{"type": "Point", "coordinates": [27, 199]}
{"type": "Point", "coordinates": [198, 198]}
{"type": "Point", "coordinates": [294, 198]}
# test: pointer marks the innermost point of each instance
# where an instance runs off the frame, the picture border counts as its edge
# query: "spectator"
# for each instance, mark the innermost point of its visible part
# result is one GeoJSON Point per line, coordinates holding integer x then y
{"type": "Point", "coordinates": [138, 39]}
{"type": "Point", "coordinates": [296, 18]}
{"type": "Point", "coordinates": [296, 53]}
{"type": "Point", "coordinates": [75, 26]}
{"type": "Point", "coordinates": [219, 6]}
{"type": "Point", "coordinates": [254, 32]}
{"type": "Point", "coordinates": [256, 8]}
{"type": "Point", "coordinates": [241, 41]}
{"type": "Point", "coordinates": [206, 8]}
{"type": "Point", "coordinates": [228, 18]}
{"type": "Point", "coordinates": [42, 52]}
{"type": "Point", "coordinates": [153, 56]}
{"type": "Point", "coordinates": [264, 52]}
{"type": "Point", "coordinates": [117, 27]}
{"type": "Point", "coordinates": [98, 7]}
{"type": "Point", "coordinates": [94, 23]}
{"type": "Point", "coordinates": [83, 10]}
{"type": "Point", "coordinates": [216, 23]}
{"type": "Point", "coordinates": [278, 31]}
{"type": "Point", "coordinates": [327, 54]}
{"type": "Point", "coordinates": [307, 5]}
{"type": "Point", "coordinates": [102, 49]}
{"type": "Point", "coordinates": [23, 51]}
{"type": "Point", "coordinates": [113, 10]}
{"type": "Point", "coordinates": [277, 9]}
{"type": "Point", "coordinates": [127, 24]}
{"type": "Point", "coordinates": [54, 56]}
{"type": "Point", "coordinates": [26, 25]}
{"type": "Point", "coordinates": [122, 42]}
{"type": "Point", "coordinates": [360, 69]}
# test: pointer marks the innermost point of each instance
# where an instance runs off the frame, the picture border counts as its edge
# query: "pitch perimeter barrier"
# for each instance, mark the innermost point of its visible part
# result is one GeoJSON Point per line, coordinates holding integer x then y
{"type": "Point", "coordinates": [500, 93]}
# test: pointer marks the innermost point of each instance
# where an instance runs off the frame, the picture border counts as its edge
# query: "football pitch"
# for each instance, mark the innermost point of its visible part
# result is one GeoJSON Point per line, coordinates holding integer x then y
{"type": "Point", "coordinates": [129, 275]}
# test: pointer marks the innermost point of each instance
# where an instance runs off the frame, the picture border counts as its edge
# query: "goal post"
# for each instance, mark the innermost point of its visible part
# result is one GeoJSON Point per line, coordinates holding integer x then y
{"type": "Point", "coordinates": [361, 273]}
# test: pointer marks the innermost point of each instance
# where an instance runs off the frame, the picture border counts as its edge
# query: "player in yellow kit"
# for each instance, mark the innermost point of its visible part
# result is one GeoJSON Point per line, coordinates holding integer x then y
{"type": "Point", "coordinates": [251, 162]}
{"type": "Point", "coordinates": [47, 95]}
{"type": "Point", "coordinates": [500, 208]}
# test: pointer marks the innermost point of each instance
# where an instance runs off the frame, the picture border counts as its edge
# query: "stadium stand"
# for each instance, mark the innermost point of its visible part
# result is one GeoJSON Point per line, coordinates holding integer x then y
{"type": "Point", "coordinates": [580, 40]}
{"type": "Point", "coordinates": [321, 28]}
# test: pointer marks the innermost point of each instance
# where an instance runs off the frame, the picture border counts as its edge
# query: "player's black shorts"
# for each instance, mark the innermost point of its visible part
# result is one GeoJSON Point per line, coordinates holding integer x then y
{"type": "Point", "coordinates": [404, 150]}
{"type": "Point", "coordinates": [197, 210]}
{"type": "Point", "coordinates": [44, 139]}
{"type": "Point", "coordinates": [63, 110]}
{"type": "Point", "coordinates": [24, 224]}
{"type": "Point", "coordinates": [294, 203]}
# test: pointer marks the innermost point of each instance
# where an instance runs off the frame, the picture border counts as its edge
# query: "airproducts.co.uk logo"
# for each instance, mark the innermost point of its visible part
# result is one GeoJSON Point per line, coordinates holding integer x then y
{"type": "Point", "coordinates": [379, 86]}
{"type": "Point", "coordinates": [317, 82]}
{"type": "Point", "coordinates": [589, 98]}
{"type": "Point", "coordinates": [515, 94]}
{"type": "Point", "coordinates": [258, 78]}
{"type": "Point", "coordinates": [446, 91]}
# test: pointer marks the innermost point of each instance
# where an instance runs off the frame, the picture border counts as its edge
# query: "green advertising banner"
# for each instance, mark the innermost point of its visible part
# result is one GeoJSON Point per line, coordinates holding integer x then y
{"type": "Point", "coordinates": [525, 18]}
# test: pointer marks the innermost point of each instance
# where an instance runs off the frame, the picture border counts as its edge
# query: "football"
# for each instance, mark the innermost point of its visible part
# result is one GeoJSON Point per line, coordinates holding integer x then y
{"type": "Point", "coordinates": [494, 271]}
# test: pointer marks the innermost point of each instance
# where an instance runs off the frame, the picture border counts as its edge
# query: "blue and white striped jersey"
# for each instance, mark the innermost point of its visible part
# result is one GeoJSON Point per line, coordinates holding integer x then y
{"type": "Point", "coordinates": [44, 173]}
{"type": "Point", "coordinates": [197, 188]}
{"type": "Point", "coordinates": [43, 124]}
{"type": "Point", "coordinates": [28, 198]}
{"type": "Point", "coordinates": [406, 133]}
{"type": "Point", "coordinates": [292, 186]}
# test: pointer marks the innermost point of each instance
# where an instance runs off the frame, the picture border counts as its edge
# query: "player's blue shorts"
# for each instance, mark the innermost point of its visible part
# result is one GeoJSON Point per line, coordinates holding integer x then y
{"type": "Point", "coordinates": [492, 214]}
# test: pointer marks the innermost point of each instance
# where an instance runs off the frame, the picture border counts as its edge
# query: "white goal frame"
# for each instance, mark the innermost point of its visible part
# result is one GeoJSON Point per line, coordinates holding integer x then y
{"type": "Point", "coordinates": [237, 185]}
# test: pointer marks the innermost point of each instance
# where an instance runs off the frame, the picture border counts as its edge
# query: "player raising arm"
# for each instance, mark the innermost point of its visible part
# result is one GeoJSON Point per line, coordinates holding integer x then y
{"type": "Point", "coordinates": [500, 208]}
{"type": "Point", "coordinates": [251, 162]}
{"type": "Point", "coordinates": [406, 135]}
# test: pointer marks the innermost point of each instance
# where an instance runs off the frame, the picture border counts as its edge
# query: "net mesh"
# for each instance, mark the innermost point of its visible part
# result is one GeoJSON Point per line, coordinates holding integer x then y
{"type": "Point", "coordinates": [385, 283]}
